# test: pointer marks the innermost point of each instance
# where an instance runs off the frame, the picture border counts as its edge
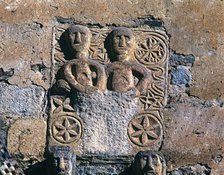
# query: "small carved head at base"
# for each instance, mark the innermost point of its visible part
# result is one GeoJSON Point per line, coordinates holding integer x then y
{"type": "Point", "coordinates": [79, 38]}
{"type": "Point", "coordinates": [63, 160]}
{"type": "Point", "coordinates": [149, 163]}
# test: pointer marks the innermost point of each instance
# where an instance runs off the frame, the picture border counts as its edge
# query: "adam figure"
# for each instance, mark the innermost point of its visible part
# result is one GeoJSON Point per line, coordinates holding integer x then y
{"type": "Point", "coordinates": [125, 74]}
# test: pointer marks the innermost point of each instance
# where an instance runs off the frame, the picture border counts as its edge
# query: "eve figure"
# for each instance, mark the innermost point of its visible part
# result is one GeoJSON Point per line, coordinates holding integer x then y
{"type": "Point", "coordinates": [81, 73]}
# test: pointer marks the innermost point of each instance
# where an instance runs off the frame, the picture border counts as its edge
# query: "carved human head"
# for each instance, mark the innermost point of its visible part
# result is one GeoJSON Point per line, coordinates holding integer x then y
{"type": "Point", "coordinates": [79, 38]}
{"type": "Point", "coordinates": [149, 163]}
{"type": "Point", "coordinates": [123, 41]}
{"type": "Point", "coordinates": [63, 160]}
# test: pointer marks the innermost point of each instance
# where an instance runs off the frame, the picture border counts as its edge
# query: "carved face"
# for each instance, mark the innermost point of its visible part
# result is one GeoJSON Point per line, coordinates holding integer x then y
{"type": "Point", "coordinates": [149, 163]}
{"type": "Point", "coordinates": [63, 160]}
{"type": "Point", "coordinates": [123, 41]}
{"type": "Point", "coordinates": [79, 38]}
{"type": "Point", "coordinates": [63, 166]}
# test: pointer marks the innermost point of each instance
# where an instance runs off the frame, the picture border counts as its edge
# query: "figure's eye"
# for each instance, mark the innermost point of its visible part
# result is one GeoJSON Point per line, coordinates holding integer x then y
{"type": "Point", "coordinates": [127, 38]}
{"type": "Point", "coordinates": [145, 158]}
{"type": "Point", "coordinates": [155, 160]}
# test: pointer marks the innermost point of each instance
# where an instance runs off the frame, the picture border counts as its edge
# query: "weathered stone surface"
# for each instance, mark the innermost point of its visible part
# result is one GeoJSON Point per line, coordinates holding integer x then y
{"type": "Point", "coordinates": [186, 60]}
{"type": "Point", "coordinates": [207, 78]}
{"type": "Point", "coordinates": [100, 169]}
{"type": "Point", "coordinates": [195, 28]}
{"type": "Point", "coordinates": [102, 165]}
{"type": "Point", "coordinates": [193, 131]}
{"type": "Point", "coordinates": [22, 47]}
{"type": "Point", "coordinates": [105, 118]}
{"type": "Point", "coordinates": [27, 137]}
{"type": "Point", "coordinates": [22, 101]}
{"type": "Point", "coordinates": [196, 169]}
{"type": "Point", "coordinates": [180, 75]}
{"type": "Point", "coordinates": [217, 168]}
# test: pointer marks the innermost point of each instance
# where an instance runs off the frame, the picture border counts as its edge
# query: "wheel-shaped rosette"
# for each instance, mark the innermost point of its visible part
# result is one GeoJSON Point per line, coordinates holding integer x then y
{"type": "Point", "coordinates": [66, 129]}
{"type": "Point", "coordinates": [145, 130]}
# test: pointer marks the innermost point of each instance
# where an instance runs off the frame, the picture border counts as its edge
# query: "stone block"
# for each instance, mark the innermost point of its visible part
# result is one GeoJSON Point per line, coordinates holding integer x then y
{"type": "Point", "coordinates": [21, 101]}
{"type": "Point", "coordinates": [193, 131]}
{"type": "Point", "coordinates": [105, 117]}
{"type": "Point", "coordinates": [207, 78]}
{"type": "Point", "coordinates": [186, 60]}
{"type": "Point", "coordinates": [180, 75]}
{"type": "Point", "coordinates": [27, 137]}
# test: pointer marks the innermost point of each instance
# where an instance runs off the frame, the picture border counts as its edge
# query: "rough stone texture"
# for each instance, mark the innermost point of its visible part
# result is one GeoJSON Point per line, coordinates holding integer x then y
{"type": "Point", "coordinates": [27, 137]}
{"type": "Point", "coordinates": [22, 48]}
{"type": "Point", "coordinates": [105, 119]}
{"type": "Point", "coordinates": [23, 101]}
{"type": "Point", "coordinates": [102, 165]}
{"type": "Point", "coordinates": [190, 132]}
{"type": "Point", "coordinates": [186, 60]}
{"type": "Point", "coordinates": [180, 75]}
{"type": "Point", "coordinates": [218, 168]}
{"type": "Point", "coordinates": [207, 81]}
{"type": "Point", "coordinates": [196, 169]}
{"type": "Point", "coordinates": [195, 28]}
{"type": "Point", "coordinates": [202, 38]}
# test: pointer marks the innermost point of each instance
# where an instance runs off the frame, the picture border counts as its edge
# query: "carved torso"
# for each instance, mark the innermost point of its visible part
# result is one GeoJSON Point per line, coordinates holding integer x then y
{"type": "Point", "coordinates": [122, 78]}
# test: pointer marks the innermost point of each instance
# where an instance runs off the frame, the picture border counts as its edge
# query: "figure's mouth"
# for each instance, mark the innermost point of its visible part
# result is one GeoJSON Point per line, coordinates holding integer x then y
{"type": "Point", "coordinates": [61, 173]}
{"type": "Point", "coordinates": [149, 173]}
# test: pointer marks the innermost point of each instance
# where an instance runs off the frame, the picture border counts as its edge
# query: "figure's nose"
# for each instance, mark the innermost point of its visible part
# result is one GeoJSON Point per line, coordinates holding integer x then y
{"type": "Point", "coordinates": [78, 38]}
{"type": "Point", "coordinates": [122, 42]}
{"type": "Point", "coordinates": [61, 164]}
{"type": "Point", "coordinates": [150, 164]}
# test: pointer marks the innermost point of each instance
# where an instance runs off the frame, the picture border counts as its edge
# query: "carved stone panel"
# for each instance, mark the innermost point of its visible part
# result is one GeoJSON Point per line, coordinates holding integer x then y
{"type": "Point", "coordinates": [65, 127]}
{"type": "Point", "coordinates": [108, 88]}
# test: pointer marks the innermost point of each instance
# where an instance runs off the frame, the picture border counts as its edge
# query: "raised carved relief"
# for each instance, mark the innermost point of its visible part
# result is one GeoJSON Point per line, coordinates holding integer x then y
{"type": "Point", "coordinates": [97, 50]}
{"type": "Point", "coordinates": [66, 129]}
{"type": "Point", "coordinates": [153, 98]}
{"type": "Point", "coordinates": [65, 126]}
{"type": "Point", "coordinates": [150, 163]}
{"type": "Point", "coordinates": [145, 130]}
{"type": "Point", "coordinates": [81, 73]}
{"type": "Point", "coordinates": [62, 160]}
{"type": "Point", "coordinates": [10, 167]}
{"type": "Point", "coordinates": [125, 74]}
{"type": "Point", "coordinates": [151, 50]}
{"type": "Point", "coordinates": [119, 59]}
{"type": "Point", "coordinates": [147, 163]}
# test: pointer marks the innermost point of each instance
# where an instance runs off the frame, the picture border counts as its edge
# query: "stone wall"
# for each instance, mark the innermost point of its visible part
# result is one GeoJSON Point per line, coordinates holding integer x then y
{"type": "Point", "coordinates": [193, 115]}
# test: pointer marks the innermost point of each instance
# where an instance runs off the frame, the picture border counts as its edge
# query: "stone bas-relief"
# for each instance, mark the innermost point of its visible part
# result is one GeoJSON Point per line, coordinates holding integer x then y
{"type": "Point", "coordinates": [123, 69]}
{"type": "Point", "coordinates": [109, 89]}
{"type": "Point", "coordinates": [147, 163]}
{"type": "Point", "coordinates": [65, 126]}
{"type": "Point", "coordinates": [62, 160]}
{"type": "Point", "coordinates": [81, 73]}
{"type": "Point", "coordinates": [145, 130]}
